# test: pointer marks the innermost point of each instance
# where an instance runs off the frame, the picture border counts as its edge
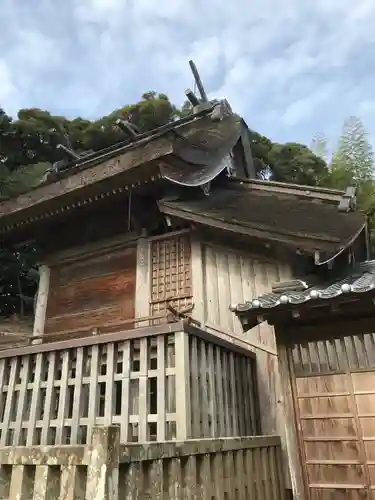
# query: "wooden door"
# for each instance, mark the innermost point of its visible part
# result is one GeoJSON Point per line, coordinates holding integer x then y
{"type": "Point", "coordinates": [92, 293]}
{"type": "Point", "coordinates": [334, 397]}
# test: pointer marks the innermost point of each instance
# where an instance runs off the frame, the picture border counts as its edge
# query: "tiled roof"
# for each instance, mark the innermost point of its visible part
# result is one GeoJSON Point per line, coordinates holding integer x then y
{"type": "Point", "coordinates": [360, 280]}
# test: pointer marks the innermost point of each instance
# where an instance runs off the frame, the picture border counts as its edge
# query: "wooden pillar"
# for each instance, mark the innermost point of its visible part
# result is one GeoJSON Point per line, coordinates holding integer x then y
{"type": "Point", "coordinates": [42, 299]}
{"type": "Point", "coordinates": [293, 451]}
{"type": "Point", "coordinates": [142, 290]}
{"type": "Point", "coordinates": [103, 468]}
{"type": "Point", "coordinates": [183, 405]}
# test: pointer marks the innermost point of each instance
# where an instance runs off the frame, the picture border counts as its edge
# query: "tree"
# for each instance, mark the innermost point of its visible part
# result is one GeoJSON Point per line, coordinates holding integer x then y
{"type": "Point", "coordinates": [319, 146]}
{"type": "Point", "coordinates": [352, 162]}
{"type": "Point", "coordinates": [296, 163]}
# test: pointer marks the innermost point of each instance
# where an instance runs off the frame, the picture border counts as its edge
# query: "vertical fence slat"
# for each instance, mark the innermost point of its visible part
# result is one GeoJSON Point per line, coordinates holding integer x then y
{"type": "Point", "coordinates": [109, 385]}
{"type": "Point", "coordinates": [212, 390]}
{"type": "Point", "coordinates": [134, 481]}
{"type": "Point", "coordinates": [21, 399]}
{"type": "Point", "coordinates": [35, 400]}
{"type": "Point", "coordinates": [230, 475]}
{"type": "Point", "coordinates": [265, 468]}
{"type": "Point", "coordinates": [77, 396]}
{"type": "Point", "coordinates": [205, 477]}
{"type": "Point", "coordinates": [258, 473]}
{"type": "Point", "coordinates": [194, 377]}
{"type": "Point", "coordinates": [103, 469]}
{"type": "Point", "coordinates": [73, 483]}
{"type": "Point", "coordinates": [46, 482]}
{"type": "Point", "coordinates": [249, 472]}
{"type": "Point", "coordinates": [22, 482]}
{"type": "Point", "coordinates": [218, 474]}
{"type": "Point", "coordinates": [175, 479]}
{"type": "Point", "coordinates": [204, 388]}
{"type": "Point", "coordinates": [232, 376]}
{"type": "Point", "coordinates": [239, 396]}
{"type": "Point", "coordinates": [240, 471]}
{"type": "Point", "coordinates": [93, 390]}
{"type": "Point", "coordinates": [5, 477]}
{"type": "Point", "coordinates": [219, 387]}
{"type": "Point", "coordinates": [143, 409]}
{"type": "Point", "coordinates": [48, 398]}
{"type": "Point", "coordinates": [252, 397]}
{"type": "Point", "coordinates": [226, 397]}
{"type": "Point", "coordinates": [183, 407]}
{"type": "Point", "coordinates": [156, 480]}
{"type": "Point", "coordinates": [9, 400]}
{"type": "Point", "coordinates": [124, 426]}
{"type": "Point", "coordinates": [272, 472]}
{"type": "Point", "coordinates": [62, 398]}
{"type": "Point", "coordinates": [161, 379]}
{"type": "Point", "coordinates": [245, 396]}
{"type": "Point", "coordinates": [190, 473]}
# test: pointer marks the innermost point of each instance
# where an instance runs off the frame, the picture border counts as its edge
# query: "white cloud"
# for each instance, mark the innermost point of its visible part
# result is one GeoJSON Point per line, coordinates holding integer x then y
{"type": "Point", "coordinates": [291, 68]}
{"type": "Point", "coordinates": [7, 87]}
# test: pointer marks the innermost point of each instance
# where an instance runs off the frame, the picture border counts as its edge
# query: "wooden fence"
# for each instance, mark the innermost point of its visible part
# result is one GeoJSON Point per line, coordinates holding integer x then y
{"type": "Point", "coordinates": [158, 383]}
{"type": "Point", "coordinates": [208, 469]}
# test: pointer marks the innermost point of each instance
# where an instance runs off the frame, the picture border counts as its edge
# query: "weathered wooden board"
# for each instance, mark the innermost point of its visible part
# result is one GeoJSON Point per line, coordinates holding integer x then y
{"type": "Point", "coordinates": [92, 292]}
{"type": "Point", "coordinates": [231, 277]}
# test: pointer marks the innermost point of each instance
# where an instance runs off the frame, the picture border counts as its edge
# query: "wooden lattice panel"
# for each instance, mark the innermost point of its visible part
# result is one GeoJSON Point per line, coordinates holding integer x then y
{"type": "Point", "coordinates": [171, 273]}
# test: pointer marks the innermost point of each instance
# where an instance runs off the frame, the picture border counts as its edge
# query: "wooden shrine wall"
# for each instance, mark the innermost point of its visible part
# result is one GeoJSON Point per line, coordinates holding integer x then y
{"type": "Point", "coordinates": [92, 292]}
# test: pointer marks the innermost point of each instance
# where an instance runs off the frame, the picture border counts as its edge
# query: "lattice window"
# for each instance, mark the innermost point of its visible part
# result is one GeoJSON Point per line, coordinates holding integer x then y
{"type": "Point", "coordinates": [171, 273]}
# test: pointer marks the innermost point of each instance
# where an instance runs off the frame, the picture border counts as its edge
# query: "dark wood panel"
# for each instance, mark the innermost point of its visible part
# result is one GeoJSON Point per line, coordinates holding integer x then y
{"type": "Point", "coordinates": [109, 263]}
{"type": "Point", "coordinates": [92, 293]}
{"type": "Point", "coordinates": [91, 318]}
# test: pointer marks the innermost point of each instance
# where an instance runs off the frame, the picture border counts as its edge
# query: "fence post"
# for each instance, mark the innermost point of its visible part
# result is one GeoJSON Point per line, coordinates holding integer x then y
{"type": "Point", "coordinates": [103, 468]}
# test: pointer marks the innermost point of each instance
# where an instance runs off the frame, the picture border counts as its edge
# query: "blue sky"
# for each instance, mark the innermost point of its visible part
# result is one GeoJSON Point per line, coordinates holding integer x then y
{"type": "Point", "coordinates": [291, 68]}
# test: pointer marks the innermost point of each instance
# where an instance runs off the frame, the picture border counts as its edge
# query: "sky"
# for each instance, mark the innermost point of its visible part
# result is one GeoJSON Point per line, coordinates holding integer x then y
{"type": "Point", "coordinates": [291, 68]}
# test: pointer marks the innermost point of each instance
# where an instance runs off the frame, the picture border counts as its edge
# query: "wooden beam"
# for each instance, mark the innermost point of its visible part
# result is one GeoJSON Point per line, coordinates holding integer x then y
{"type": "Point", "coordinates": [104, 338]}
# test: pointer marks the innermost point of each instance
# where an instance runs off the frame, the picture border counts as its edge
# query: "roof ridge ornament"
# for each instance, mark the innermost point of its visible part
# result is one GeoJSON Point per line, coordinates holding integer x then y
{"type": "Point", "coordinates": [348, 202]}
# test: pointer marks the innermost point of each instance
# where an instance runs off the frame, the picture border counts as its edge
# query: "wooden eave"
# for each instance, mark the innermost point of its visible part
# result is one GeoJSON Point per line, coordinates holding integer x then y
{"type": "Point", "coordinates": [125, 172]}
{"type": "Point", "coordinates": [308, 243]}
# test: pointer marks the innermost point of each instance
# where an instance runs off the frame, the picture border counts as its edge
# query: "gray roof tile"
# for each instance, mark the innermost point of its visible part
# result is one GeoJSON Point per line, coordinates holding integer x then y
{"type": "Point", "coordinates": [360, 280]}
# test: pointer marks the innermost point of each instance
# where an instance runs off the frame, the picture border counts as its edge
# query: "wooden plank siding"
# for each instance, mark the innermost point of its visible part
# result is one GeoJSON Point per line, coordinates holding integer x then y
{"type": "Point", "coordinates": [232, 277]}
{"type": "Point", "coordinates": [92, 292]}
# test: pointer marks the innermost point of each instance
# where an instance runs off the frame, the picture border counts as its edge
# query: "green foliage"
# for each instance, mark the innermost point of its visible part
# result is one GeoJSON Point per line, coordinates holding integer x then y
{"type": "Point", "coordinates": [352, 162]}
{"type": "Point", "coordinates": [296, 163]}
